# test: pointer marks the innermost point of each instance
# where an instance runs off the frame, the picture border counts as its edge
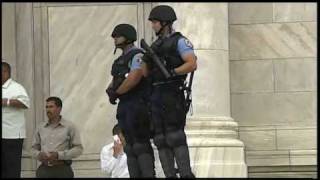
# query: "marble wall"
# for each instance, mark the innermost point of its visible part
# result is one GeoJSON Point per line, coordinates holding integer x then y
{"type": "Point", "coordinates": [273, 84]}
{"type": "Point", "coordinates": [66, 50]}
{"type": "Point", "coordinates": [257, 59]}
{"type": "Point", "coordinates": [8, 43]}
{"type": "Point", "coordinates": [81, 55]}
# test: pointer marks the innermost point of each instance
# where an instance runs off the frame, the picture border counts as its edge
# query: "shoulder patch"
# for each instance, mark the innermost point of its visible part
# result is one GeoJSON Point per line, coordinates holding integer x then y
{"type": "Point", "coordinates": [188, 43]}
{"type": "Point", "coordinates": [139, 60]}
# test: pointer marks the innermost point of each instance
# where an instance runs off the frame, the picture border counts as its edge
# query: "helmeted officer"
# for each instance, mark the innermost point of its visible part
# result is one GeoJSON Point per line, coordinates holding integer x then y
{"type": "Point", "coordinates": [130, 87]}
{"type": "Point", "coordinates": [167, 99]}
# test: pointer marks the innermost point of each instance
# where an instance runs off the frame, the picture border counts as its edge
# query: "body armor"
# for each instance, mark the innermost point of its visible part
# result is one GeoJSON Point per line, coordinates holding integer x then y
{"type": "Point", "coordinates": [121, 68]}
{"type": "Point", "coordinates": [167, 50]}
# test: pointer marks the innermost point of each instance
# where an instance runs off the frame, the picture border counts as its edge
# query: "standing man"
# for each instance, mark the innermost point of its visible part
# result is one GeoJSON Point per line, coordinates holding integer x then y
{"type": "Point", "coordinates": [56, 142]}
{"type": "Point", "coordinates": [112, 156]}
{"type": "Point", "coordinates": [14, 102]}
{"type": "Point", "coordinates": [131, 88]}
{"type": "Point", "coordinates": [167, 99]}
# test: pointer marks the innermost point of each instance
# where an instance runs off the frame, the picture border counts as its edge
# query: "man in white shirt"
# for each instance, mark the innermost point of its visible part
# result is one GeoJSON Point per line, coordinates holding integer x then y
{"type": "Point", "coordinates": [113, 159]}
{"type": "Point", "coordinates": [14, 102]}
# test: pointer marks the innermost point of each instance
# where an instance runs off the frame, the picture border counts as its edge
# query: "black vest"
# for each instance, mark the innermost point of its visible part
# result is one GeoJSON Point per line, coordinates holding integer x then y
{"type": "Point", "coordinates": [120, 68]}
{"type": "Point", "coordinates": [167, 50]}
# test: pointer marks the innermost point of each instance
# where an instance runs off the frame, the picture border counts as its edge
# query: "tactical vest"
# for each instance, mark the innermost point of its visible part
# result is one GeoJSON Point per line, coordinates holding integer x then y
{"type": "Point", "coordinates": [167, 50]}
{"type": "Point", "coordinates": [121, 68]}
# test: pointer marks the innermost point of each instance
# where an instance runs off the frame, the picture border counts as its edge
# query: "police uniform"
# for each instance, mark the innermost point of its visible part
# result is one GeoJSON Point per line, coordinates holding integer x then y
{"type": "Point", "coordinates": [132, 115]}
{"type": "Point", "coordinates": [168, 102]}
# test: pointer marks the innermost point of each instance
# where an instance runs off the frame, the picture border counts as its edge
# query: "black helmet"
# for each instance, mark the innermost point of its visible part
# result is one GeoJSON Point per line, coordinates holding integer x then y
{"type": "Point", "coordinates": [126, 30]}
{"type": "Point", "coordinates": [162, 13]}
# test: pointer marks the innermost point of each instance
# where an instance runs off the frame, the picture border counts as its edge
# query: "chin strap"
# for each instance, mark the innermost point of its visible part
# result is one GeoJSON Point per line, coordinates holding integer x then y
{"type": "Point", "coordinates": [163, 24]}
{"type": "Point", "coordinates": [121, 45]}
{"type": "Point", "coordinates": [115, 50]}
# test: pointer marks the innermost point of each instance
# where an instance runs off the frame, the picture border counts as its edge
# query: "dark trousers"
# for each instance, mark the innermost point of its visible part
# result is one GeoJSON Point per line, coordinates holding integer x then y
{"type": "Point", "coordinates": [11, 152]}
{"type": "Point", "coordinates": [58, 171]}
{"type": "Point", "coordinates": [133, 118]}
{"type": "Point", "coordinates": [169, 118]}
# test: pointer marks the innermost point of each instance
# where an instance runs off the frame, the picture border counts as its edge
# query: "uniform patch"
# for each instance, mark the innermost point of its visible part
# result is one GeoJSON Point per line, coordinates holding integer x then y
{"type": "Point", "coordinates": [139, 60]}
{"type": "Point", "coordinates": [188, 43]}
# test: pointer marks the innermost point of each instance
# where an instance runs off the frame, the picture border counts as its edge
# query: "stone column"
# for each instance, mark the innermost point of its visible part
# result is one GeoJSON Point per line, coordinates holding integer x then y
{"type": "Point", "coordinates": [215, 149]}
{"type": "Point", "coordinates": [25, 75]}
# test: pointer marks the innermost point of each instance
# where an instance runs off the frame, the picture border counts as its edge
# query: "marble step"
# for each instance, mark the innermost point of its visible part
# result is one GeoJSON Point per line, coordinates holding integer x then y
{"type": "Point", "coordinates": [211, 123]}
{"type": "Point", "coordinates": [214, 142]}
{"type": "Point", "coordinates": [212, 133]}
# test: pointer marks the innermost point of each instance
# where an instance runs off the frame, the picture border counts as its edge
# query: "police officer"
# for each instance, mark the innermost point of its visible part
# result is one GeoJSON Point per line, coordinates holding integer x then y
{"type": "Point", "coordinates": [167, 100]}
{"type": "Point", "coordinates": [130, 87]}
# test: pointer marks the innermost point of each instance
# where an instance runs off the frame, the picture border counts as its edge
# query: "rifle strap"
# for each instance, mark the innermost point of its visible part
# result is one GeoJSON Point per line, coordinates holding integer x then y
{"type": "Point", "coordinates": [191, 109]}
{"type": "Point", "coordinates": [189, 91]}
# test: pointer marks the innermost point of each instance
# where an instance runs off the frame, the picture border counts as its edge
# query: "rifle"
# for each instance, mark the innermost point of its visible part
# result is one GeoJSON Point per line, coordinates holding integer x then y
{"type": "Point", "coordinates": [165, 72]}
{"type": "Point", "coordinates": [155, 58]}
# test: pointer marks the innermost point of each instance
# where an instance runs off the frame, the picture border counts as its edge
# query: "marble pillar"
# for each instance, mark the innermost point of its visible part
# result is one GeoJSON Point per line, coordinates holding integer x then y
{"type": "Point", "coordinates": [25, 67]}
{"type": "Point", "coordinates": [215, 149]}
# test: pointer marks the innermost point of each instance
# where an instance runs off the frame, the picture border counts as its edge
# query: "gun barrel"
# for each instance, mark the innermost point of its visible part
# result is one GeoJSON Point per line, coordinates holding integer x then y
{"type": "Point", "coordinates": [155, 58]}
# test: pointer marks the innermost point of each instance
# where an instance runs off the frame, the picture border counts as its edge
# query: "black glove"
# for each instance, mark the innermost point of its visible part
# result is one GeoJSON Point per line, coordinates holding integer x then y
{"type": "Point", "coordinates": [113, 96]}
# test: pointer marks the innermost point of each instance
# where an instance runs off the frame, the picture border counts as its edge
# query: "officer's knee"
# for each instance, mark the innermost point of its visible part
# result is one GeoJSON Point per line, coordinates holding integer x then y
{"type": "Point", "coordinates": [176, 138]}
{"type": "Point", "coordinates": [128, 149]}
{"type": "Point", "coordinates": [160, 141]}
{"type": "Point", "coordinates": [141, 148]}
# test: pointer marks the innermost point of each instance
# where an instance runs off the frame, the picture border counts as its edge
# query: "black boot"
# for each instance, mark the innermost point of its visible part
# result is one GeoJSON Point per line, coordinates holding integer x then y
{"type": "Point", "coordinates": [133, 167]}
{"type": "Point", "coordinates": [146, 164]}
{"type": "Point", "coordinates": [181, 154]}
{"type": "Point", "coordinates": [167, 162]}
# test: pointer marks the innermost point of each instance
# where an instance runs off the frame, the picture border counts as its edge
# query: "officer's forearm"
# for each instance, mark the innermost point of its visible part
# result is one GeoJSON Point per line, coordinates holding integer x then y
{"type": "Point", "coordinates": [145, 70]}
{"type": "Point", "coordinates": [110, 85]}
{"type": "Point", "coordinates": [187, 67]}
{"type": "Point", "coordinates": [130, 82]}
{"type": "Point", "coordinates": [126, 86]}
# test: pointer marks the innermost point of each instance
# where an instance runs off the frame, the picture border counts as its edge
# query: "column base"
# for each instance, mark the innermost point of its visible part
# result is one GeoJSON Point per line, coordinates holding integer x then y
{"type": "Point", "coordinates": [218, 162]}
{"type": "Point", "coordinates": [215, 150]}
{"type": "Point", "coordinates": [214, 147]}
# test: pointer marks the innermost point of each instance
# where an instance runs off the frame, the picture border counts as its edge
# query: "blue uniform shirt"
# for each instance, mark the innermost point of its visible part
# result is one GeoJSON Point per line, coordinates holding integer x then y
{"type": "Point", "coordinates": [185, 46]}
{"type": "Point", "coordinates": [136, 62]}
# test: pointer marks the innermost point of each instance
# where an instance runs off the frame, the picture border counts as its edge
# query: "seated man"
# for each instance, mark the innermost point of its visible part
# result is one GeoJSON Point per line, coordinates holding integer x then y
{"type": "Point", "coordinates": [113, 158]}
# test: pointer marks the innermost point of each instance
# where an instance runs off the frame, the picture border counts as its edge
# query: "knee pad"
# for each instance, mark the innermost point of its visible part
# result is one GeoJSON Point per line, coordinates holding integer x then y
{"type": "Point", "coordinates": [176, 138]}
{"type": "Point", "coordinates": [141, 148]}
{"type": "Point", "coordinates": [160, 141]}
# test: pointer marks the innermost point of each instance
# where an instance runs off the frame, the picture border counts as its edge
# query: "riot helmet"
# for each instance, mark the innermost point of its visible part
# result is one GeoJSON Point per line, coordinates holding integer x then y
{"type": "Point", "coordinates": [125, 30]}
{"type": "Point", "coordinates": [162, 13]}
{"type": "Point", "coordinates": [165, 15]}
